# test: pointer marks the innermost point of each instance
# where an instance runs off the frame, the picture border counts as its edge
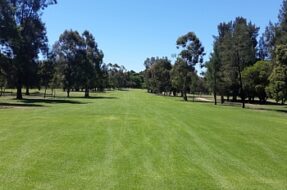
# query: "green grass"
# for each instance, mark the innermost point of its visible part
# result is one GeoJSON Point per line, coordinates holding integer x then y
{"type": "Point", "coordinates": [133, 140]}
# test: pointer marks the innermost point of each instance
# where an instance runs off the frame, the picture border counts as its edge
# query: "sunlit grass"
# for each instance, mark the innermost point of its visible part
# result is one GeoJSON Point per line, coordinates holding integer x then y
{"type": "Point", "coordinates": [134, 140]}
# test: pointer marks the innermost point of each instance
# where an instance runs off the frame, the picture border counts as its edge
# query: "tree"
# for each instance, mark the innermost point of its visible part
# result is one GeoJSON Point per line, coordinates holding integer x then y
{"type": "Point", "coordinates": [237, 50]}
{"type": "Point", "coordinates": [92, 60]}
{"type": "Point", "coordinates": [147, 74]}
{"type": "Point", "coordinates": [268, 41]}
{"type": "Point", "coordinates": [278, 79]}
{"type": "Point", "coordinates": [256, 80]}
{"type": "Point", "coordinates": [278, 84]}
{"type": "Point", "coordinates": [24, 36]}
{"type": "Point", "coordinates": [213, 73]}
{"type": "Point", "coordinates": [181, 76]}
{"type": "Point", "coordinates": [192, 53]}
{"type": "Point", "coordinates": [281, 27]}
{"type": "Point", "coordinates": [67, 52]}
{"type": "Point", "coordinates": [160, 76]}
{"type": "Point", "coordinates": [245, 43]}
{"type": "Point", "coordinates": [46, 72]}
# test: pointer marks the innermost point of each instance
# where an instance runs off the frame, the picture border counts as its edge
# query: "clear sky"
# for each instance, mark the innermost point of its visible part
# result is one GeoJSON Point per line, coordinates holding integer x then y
{"type": "Point", "coordinates": [129, 31]}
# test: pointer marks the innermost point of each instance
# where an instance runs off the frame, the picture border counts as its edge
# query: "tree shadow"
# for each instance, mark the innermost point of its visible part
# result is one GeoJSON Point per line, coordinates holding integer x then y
{"type": "Point", "coordinates": [11, 105]}
{"type": "Point", "coordinates": [50, 101]}
{"type": "Point", "coordinates": [96, 98]}
{"type": "Point", "coordinates": [123, 89]}
{"type": "Point", "coordinates": [269, 109]}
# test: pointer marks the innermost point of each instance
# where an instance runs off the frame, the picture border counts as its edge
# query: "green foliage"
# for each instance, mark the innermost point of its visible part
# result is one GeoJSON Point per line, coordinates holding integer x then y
{"type": "Point", "coordinates": [158, 76]}
{"type": "Point", "coordinates": [79, 59]}
{"type": "Point", "coordinates": [234, 50]}
{"type": "Point", "coordinates": [180, 75]}
{"type": "Point", "coordinates": [278, 84]}
{"type": "Point", "coordinates": [192, 53]}
{"type": "Point", "coordinates": [23, 38]}
{"type": "Point", "coordinates": [256, 80]}
{"type": "Point", "coordinates": [192, 50]}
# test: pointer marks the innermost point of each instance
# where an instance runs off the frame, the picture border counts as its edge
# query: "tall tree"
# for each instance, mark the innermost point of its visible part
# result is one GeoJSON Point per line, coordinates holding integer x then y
{"type": "Point", "coordinates": [92, 62]}
{"type": "Point", "coordinates": [181, 76]}
{"type": "Point", "coordinates": [278, 79]}
{"type": "Point", "coordinates": [29, 36]}
{"type": "Point", "coordinates": [213, 73]}
{"type": "Point", "coordinates": [192, 53]}
{"type": "Point", "coordinates": [160, 72]}
{"type": "Point", "coordinates": [68, 51]}
{"type": "Point", "coordinates": [255, 80]}
{"type": "Point", "coordinates": [237, 43]}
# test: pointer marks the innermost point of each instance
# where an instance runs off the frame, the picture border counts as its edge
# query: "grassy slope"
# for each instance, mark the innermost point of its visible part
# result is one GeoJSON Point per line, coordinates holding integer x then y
{"type": "Point", "coordinates": [141, 141]}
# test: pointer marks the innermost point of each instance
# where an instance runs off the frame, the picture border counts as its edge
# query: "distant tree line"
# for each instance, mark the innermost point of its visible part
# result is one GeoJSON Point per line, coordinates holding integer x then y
{"type": "Point", "coordinates": [240, 66]}
{"type": "Point", "coordinates": [75, 63]}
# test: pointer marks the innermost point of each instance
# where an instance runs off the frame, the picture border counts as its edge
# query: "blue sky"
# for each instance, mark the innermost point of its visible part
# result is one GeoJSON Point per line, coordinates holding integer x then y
{"type": "Point", "coordinates": [129, 31]}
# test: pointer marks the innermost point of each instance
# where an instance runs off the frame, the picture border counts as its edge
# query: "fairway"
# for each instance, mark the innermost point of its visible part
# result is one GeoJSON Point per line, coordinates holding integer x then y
{"type": "Point", "coordinates": [134, 140]}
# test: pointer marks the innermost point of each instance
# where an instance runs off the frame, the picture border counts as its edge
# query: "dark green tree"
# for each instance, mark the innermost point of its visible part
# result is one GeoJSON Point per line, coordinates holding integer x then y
{"type": "Point", "coordinates": [192, 53]}
{"type": "Point", "coordinates": [181, 76]}
{"type": "Point", "coordinates": [256, 80]}
{"type": "Point", "coordinates": [277, 88]}
{"type": "Point", "coordinates": [68, 52]}
{"type": "Point", "coordinates": [24, 36]}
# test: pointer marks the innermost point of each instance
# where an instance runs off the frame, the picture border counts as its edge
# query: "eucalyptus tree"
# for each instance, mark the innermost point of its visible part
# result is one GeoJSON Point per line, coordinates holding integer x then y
{"type": "Point", "coordinates": [68, 53]}
{"type": "Point", "coordinates": [181, 76]}
{"type": "Point", "coordinates": [92, 61]}
{"type": "Point", "coordinates": [192, 53]}
{"type": "Point", "coordinates": [24, 36]}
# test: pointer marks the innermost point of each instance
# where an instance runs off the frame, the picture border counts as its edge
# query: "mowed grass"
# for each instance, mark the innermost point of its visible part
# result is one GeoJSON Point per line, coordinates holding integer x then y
{"type": "Point", "coordinates": [134, 140]}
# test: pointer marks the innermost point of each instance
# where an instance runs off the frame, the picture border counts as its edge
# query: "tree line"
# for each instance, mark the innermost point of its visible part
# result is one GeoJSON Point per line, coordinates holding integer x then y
{"type": "Point", "coordinates": [240, 66]}
{"type": "Point", "coordinates": [74, 63]}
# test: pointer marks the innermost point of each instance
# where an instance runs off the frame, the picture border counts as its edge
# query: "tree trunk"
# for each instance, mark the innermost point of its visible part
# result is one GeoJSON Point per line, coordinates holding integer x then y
{"type": "Point", "coordinates": [222, 99]}
{"type": "Point", "coordinates": [174, 93]}
{"type": "Point", "coordinates": [215, 97]}
{"type": "Point", "coordinates": [19, 92]}
{"type": "Point", "coordinates": [45, 92]}
{"type": "Point", "coordinates": [185, 96]}
{"type": "Point", "coordinates": [87, 93]}
{"type": "Point", "coordinates": [240, 81]}
{"type": "Point", "coordinates": [54, 92]}
{"type": "Point", "coordinates": [27, 91]}
{"type": "Point", "coordinates": [68, 93]}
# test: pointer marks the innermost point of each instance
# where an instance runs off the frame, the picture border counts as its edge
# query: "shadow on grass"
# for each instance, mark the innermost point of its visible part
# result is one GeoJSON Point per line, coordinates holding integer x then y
{"type": "Point", "coordinates": [267, 109]}
{"type": "Point", "coordinates": [50, 101]}
{"type": "Point", "coordinates": [95, 98]}
{"type": "Point", "coordinates": [11, 105]}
